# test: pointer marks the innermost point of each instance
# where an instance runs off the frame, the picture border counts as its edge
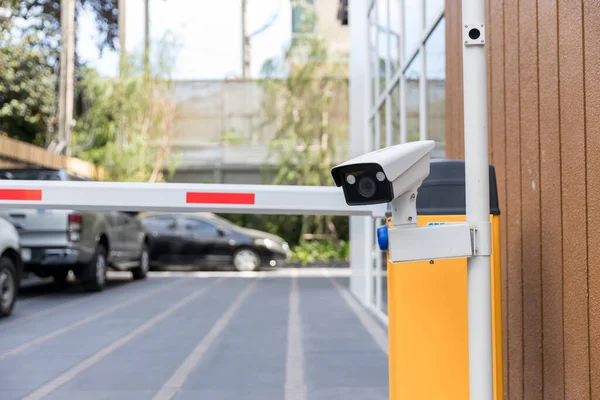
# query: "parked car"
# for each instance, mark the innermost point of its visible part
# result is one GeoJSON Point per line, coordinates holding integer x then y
{"type": "Point", "coordinates": [10, 267]}
{"type": "Point", "coordinates": [54, 242]}
{"type": "Point", "coordinates": [208, 240]}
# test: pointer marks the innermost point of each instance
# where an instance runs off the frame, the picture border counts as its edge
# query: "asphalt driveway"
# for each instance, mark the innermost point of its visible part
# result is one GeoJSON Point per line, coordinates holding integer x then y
{"type": "Point", "coordinates": [284, 334]}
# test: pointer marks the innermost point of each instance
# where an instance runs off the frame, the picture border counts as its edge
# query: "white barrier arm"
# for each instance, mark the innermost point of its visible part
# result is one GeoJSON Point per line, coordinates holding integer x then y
{"type": "Point", "coordinates": [174, 197]}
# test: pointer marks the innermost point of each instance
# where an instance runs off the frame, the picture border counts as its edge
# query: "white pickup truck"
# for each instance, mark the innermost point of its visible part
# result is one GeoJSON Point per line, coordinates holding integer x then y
{"type": "Point", "coordinates": [54, 242]}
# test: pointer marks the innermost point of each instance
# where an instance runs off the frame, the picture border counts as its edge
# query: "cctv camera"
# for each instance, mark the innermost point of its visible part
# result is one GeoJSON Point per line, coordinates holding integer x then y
{"type": "Point", "coordinates": [383, 175]}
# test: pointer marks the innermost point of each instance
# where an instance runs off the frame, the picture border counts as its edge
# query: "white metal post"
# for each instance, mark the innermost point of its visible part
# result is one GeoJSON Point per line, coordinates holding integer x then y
{"type": "Point", "coordinates": [477, 198]}
{"type": "Point", "coordinates": [423, 130]}
{"type": "Point", "coordinates": [403, 134]}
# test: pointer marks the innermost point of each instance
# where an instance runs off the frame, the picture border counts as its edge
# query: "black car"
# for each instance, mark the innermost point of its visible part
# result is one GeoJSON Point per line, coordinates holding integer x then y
{"type": "Point", "coordinates": [210, 241]}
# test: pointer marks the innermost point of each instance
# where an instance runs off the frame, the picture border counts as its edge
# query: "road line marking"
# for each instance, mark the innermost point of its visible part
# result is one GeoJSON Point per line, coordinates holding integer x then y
{"type": "Point", "coordinates": [95, 358]}
{"type": "Point", "coordinates": [295, 387]}
{"type": "Point", "coordinates": [377, 332]}
{"type": "Point", "coordinates": [62, 306]}
{"type": "Point", "coordinates": [61, 331]}
{"type": "Point", "coordinates": [176, 381]}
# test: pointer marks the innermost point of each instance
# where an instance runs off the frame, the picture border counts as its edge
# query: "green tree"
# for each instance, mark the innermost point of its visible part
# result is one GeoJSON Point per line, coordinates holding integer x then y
{"type": "Point", "coordinates": [27, 86]}
{"type": "Point", "coordinates": [128, 121]}
{"type": "Point", "coordinates": [29, 62]}
{"type": "Point", "coordinates": [300, 107]}
{"type": "Point", "coordinates": [44, 15]}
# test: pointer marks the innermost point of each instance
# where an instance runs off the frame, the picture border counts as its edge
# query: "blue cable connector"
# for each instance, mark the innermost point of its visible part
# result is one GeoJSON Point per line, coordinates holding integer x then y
{"type": "Point", "coordinates": [382, 237]}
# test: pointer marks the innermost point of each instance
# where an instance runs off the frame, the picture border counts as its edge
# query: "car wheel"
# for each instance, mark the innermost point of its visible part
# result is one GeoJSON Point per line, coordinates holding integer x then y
{"type": "Point", "coordinates": [246, 259]}
{"type": "Point", "coordinates": [141, 271]}
{"type": "Point", "coordinates": [96, 271]}
{"type": "Point", "coordinates": [8, 286]}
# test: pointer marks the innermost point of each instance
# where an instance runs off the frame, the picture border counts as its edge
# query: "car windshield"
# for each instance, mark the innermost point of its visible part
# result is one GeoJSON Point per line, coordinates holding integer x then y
{"type": "Point", "coordinates": [222, 221]}
{"type": "Point", "coordinates": [29, 175]}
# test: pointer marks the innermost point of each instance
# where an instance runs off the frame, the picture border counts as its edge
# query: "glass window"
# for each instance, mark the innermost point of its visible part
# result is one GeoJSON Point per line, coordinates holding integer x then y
{"type": "Point", "coordinates": [73, 177]}
{"type": "Point", "coordinates": [412, 100]}
{"type": "Point", "coordinates": [30, 174]}
{"type": "Point", "coordinates": [302, 16]}
{"type": "Point", "coordinates": [382, 43]}
{"type": "Point", "coordinates": [394, 36]}
{"type": "Point", "coordinates": [382, 125]}
{"type": "Point", "coordinates": [432, 10]}
{"type": "Point", "coordinates": [376, 268]}
{"type": "Point", "coordinates": [372, 125]}
{"type": "Point", "coordinates": [199, 226]}
{"type": "Point", "coordinates": [163, 222]}
{"type": "Point", "coordinates": [376, 132]}
{"type": "Point", "coordinates": [373, 53]}
{"type": "Point", "coordinates": [384, 287]}
{"type": "Point", "coordinates": [395, 102]}
{"type": "Point", "coordinates": [435, 50]}
{"type": "Point", "coordinates": [413, 25]}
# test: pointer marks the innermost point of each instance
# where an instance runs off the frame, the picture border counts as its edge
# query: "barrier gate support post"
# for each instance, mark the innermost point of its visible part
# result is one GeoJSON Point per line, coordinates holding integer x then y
{"type": "Point", "coordinates": [477, 199]}
{"type": "Point", "coordinates": [445, 338]}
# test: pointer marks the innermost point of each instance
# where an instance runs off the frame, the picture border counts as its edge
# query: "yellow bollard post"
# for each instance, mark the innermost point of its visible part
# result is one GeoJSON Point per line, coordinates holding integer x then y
{"type": "Point", "coordinates": [427, 302]}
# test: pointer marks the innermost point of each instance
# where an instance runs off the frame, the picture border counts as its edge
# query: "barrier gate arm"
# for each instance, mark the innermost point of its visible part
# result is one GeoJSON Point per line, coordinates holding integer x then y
{"type": "Point", "coordinates": [176, 197]}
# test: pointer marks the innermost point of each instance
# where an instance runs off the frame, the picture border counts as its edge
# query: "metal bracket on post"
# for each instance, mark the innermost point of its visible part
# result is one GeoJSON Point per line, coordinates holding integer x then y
{"type": "Point", "coordinates": [481, 246]}
{"type": "Point", "coordinates": [404, 209]}
{"type": "Point", "coordinates": [409, 242]}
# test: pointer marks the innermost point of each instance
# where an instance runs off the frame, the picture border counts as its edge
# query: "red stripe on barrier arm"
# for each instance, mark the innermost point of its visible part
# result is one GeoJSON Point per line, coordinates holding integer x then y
{"type": "Point", "coordinates": [21, 194]}
{"type": "Point", "coordinates": [219, 198]}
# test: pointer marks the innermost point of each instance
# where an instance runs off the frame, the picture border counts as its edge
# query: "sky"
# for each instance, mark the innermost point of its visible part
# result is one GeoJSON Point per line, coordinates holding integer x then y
{"type": "Point", "coordinates": [208, 31]}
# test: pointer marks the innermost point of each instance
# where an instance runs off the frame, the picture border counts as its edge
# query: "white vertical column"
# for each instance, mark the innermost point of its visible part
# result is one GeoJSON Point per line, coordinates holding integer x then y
{"type": "Point", "coordinates": [403, 133]}
{"type": "Point", "coordinates": [423, 130]}
{"type": "Point", "coordinates": [477, 200]}
{"type": "Point", "coordinates": [361, 230]}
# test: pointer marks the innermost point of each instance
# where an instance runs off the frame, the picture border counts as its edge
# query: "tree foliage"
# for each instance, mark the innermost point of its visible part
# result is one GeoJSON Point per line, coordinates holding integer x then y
{"type": "Point", "coordinates": [29, 63]}
{"type": "Point", "coordinates": [44, 15]}
{"type": "Point", "coordinates": [300, 106]}
{"type": "Point", "coordinates": [127, 123]}
{"type": "Point", "coordinates": [27, 87]}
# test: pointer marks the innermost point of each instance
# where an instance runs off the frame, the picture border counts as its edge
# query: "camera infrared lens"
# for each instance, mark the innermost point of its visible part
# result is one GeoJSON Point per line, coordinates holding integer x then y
{"type": "Point", "coordinates": [367, 187]}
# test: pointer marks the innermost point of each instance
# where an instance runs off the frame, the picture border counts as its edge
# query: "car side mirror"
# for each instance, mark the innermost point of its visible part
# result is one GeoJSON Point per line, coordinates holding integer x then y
{"type": "Point", "coordinates": [221, 231]}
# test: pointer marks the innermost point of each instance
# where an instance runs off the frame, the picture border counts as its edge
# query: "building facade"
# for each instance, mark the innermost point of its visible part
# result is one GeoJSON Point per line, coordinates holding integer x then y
{"type": "Point", "coordinates": [397, 78]}
{"type": "Point", "coordinates": [544, 103]}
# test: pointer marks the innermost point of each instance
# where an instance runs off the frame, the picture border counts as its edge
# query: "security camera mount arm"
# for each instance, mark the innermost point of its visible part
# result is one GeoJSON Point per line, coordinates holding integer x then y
{"type": "Point", "coordinates": [409, 242]}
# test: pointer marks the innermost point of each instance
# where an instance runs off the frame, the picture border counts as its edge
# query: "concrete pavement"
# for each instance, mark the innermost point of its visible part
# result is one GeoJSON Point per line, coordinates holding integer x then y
{"type": "Point", "coordinates": [283, 334]}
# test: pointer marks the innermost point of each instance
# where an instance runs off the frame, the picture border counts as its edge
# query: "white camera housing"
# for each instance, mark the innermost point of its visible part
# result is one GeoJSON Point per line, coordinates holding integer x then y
{"type": "Point", "coordinates": [393, 175]}
{"type": "Point", "coordinates": [384, 175]}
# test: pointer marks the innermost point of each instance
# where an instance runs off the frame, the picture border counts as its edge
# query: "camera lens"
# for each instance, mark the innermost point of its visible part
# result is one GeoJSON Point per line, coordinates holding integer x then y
{"type": "Point", "coordinates": [367, 187]}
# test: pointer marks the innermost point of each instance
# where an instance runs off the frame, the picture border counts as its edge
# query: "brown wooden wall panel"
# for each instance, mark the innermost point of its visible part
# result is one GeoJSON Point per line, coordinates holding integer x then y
{"type": "Point", "coordinates": [454, 119]}
{"type": "Point", "coordinates": [514, 292]}
{"type": "Point", "coordinates": [591, 12]}
{"type": "Point", "coordinates": [551, 202]}
{"type": "Point", "coordinates": [573, 168]}
{"type": "Point", "coordinates": [544, 100]}
{"type": "Point", "coordinates": [530, 201]}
